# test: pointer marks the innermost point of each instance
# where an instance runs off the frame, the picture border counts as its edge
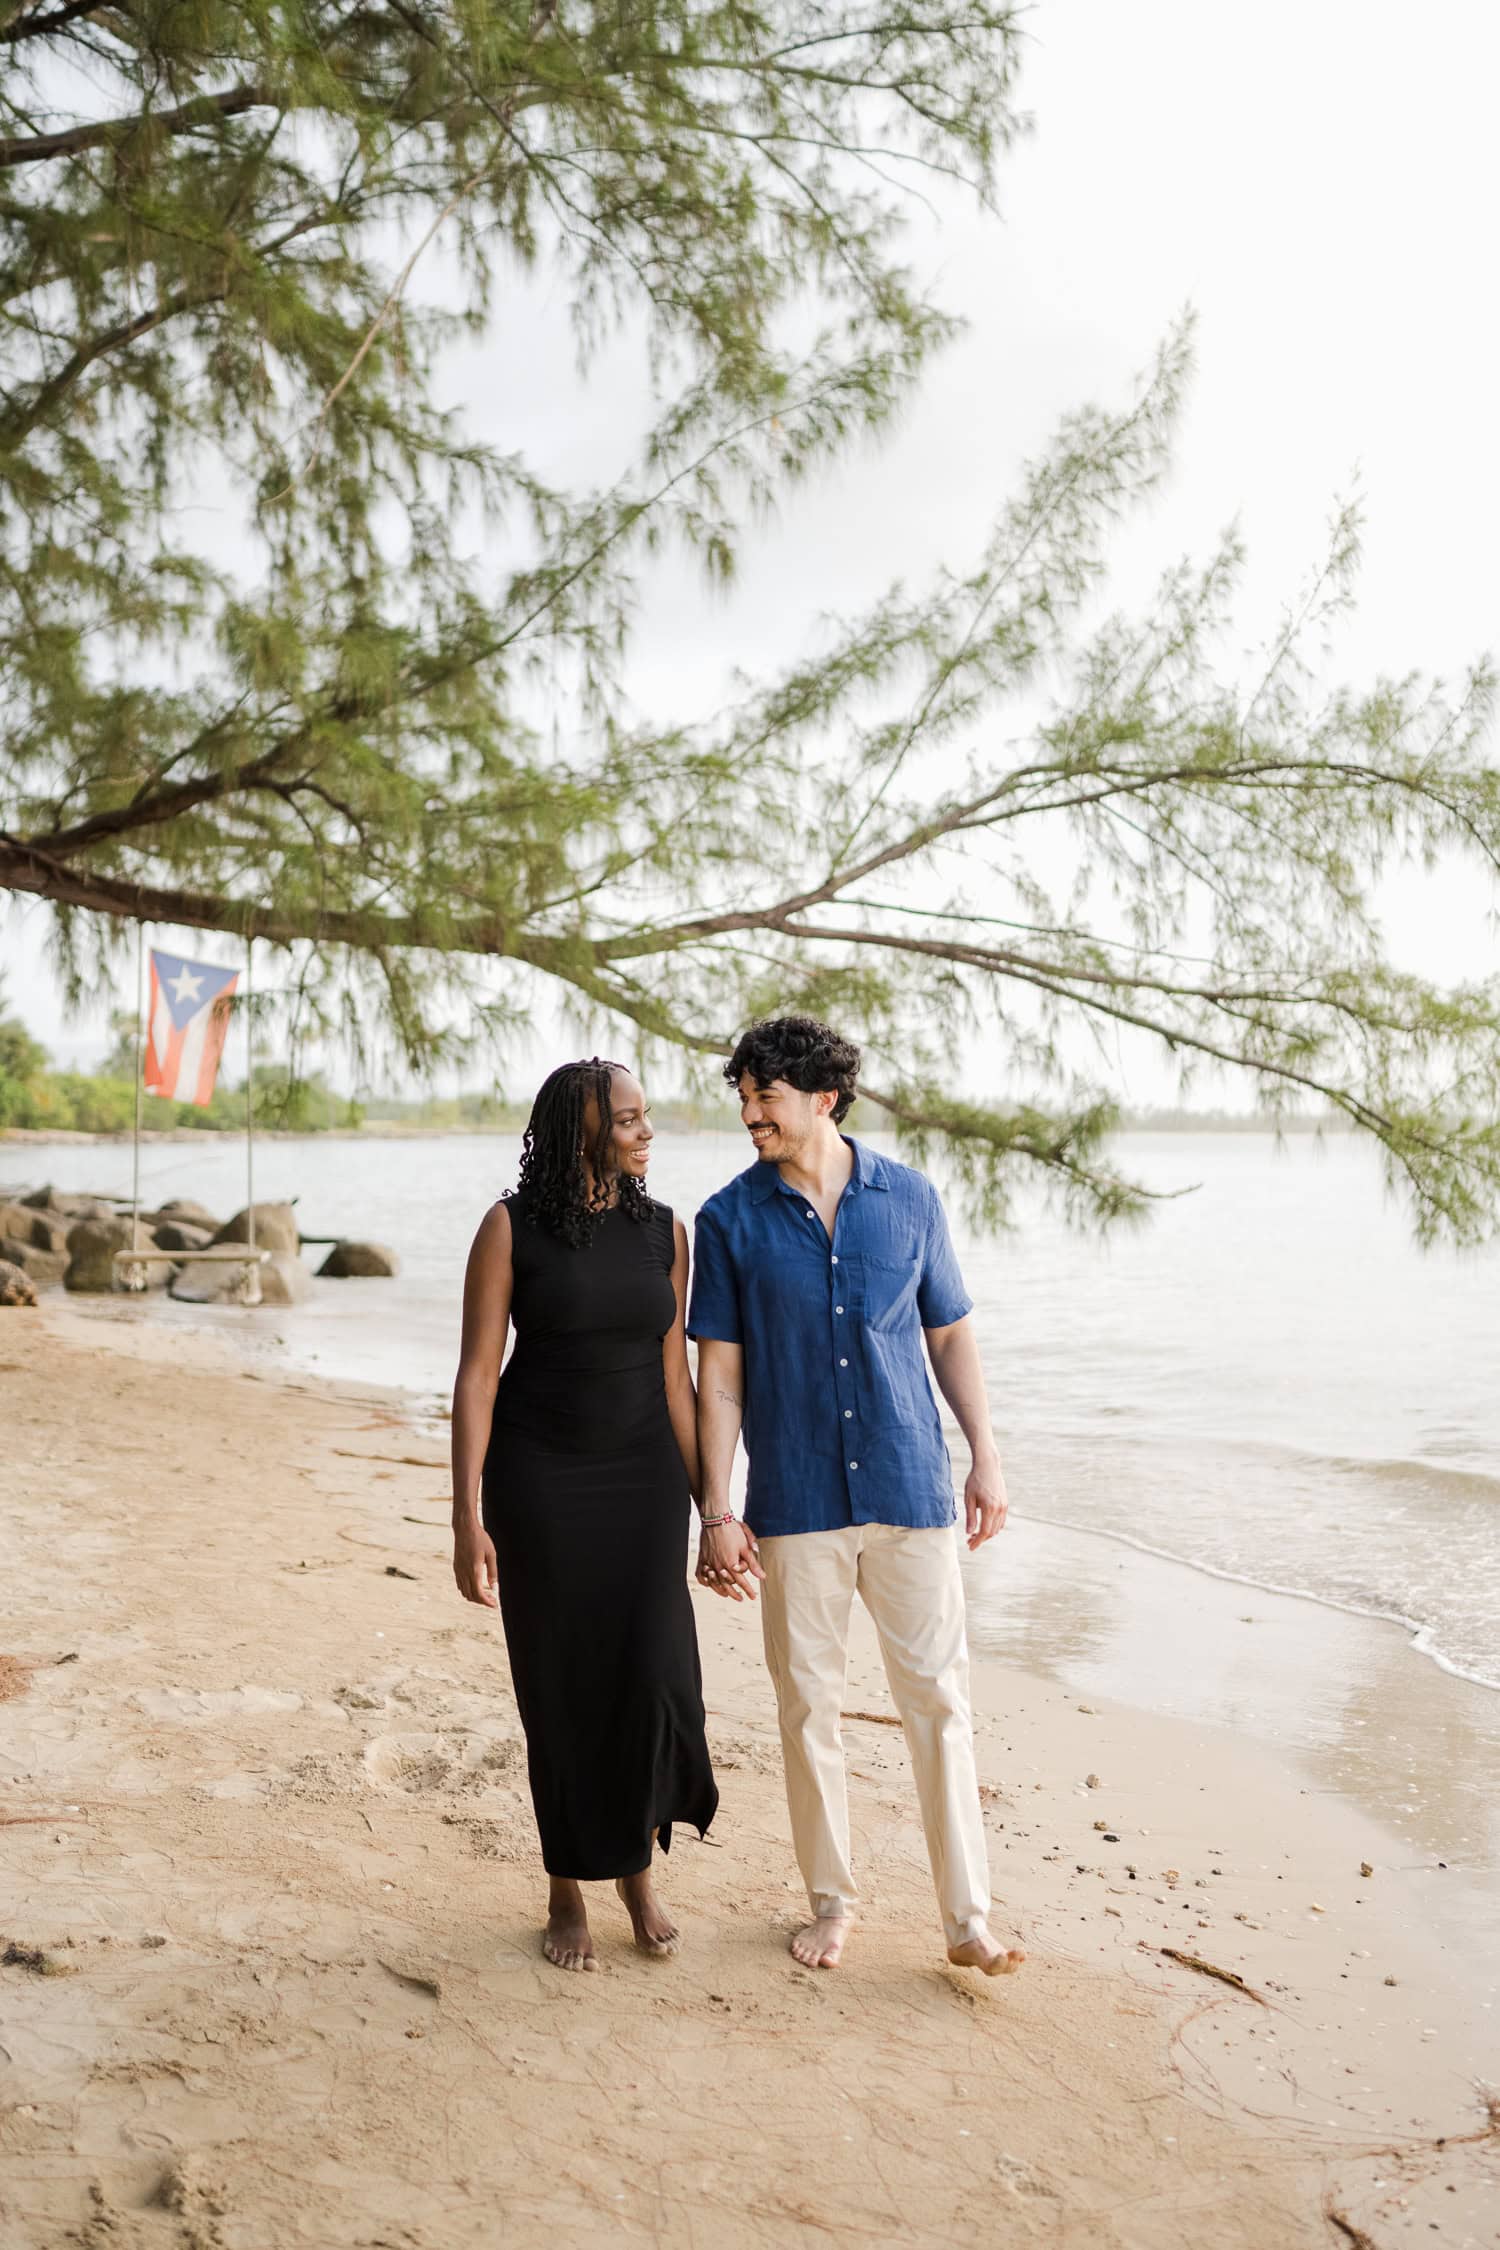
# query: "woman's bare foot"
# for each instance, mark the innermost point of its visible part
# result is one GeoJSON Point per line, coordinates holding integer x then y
{"type": "Point", "coordinates": [984, 1954]}
{"type": "Point", "coordinates": [820, 1944]}
{"type": "Point", "coordinates": [566, 1941]}
{"type": "Point", "coordinates": [655, 1931]}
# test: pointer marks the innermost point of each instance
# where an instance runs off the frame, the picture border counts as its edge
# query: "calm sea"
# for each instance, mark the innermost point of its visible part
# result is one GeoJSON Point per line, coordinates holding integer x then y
{"type": "Point", "coordinates": [1267, 1381]}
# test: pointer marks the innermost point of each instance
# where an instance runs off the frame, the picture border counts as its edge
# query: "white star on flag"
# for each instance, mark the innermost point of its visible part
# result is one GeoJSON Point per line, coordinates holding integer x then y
{"type": "Point", "coordinates": [185, 986]}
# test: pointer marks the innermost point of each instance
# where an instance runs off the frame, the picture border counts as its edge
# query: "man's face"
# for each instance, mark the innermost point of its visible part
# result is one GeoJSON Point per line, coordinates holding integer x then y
{"type": "Point", "coordinates": [779, 1118]}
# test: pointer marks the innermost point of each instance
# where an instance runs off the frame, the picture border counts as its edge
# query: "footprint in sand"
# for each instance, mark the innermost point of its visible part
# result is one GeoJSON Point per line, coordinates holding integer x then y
{"type": "Point", "coordinates": [433, 1696]}
{"type": "Point", "coordinates": [439, 1764]}
{"type": "Point", "coordinates": [1022, 2178]}
{"type": "Point", "coordinates": [366, 1695]}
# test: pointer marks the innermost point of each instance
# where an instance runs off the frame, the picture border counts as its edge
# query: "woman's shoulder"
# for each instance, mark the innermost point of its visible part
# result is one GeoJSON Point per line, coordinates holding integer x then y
{"type": "Point", "coordinates": [494, 1238]}
{"type": "Point", "coordinates": [662, 1224]}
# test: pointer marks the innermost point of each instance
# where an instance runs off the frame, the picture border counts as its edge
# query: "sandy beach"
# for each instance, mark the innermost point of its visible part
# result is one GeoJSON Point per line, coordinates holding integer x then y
{"type": "Point", "coordinates": [269, 1910]}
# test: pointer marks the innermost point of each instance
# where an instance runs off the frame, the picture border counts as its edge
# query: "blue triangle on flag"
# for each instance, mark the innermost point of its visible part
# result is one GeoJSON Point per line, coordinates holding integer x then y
{"type": "Point", "coordinates": [187, 986]}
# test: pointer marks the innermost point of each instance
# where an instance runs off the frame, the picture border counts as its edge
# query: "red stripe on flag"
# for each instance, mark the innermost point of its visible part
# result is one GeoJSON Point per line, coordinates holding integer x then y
{"type": "Point", "coordinates": [213, 1047]}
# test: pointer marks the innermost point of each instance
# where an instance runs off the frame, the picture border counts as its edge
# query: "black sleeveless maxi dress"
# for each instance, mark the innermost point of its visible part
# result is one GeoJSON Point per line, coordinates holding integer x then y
{"type": "Point", "coordinates": [587, 1501]}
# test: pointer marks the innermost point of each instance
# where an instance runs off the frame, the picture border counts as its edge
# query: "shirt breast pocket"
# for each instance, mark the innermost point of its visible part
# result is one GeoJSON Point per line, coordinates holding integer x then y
{"type": "Point", "coordinates": [891, 1278]}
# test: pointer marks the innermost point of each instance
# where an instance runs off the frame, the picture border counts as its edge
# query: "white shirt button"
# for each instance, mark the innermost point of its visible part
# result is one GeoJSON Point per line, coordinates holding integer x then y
{"type": "Point", "coordinates": [809, 1214]}
{"type": "Point", "coordinates": [854, 1464]}
{"type": "Point", "coordinates": [843, 1363]}
{"type": "Point", "coordinates": [838, 1308]}
{"type": "Point", "coordinates": [848, 1414]}
{"type": "Point", "coordinates": [835, 1259]}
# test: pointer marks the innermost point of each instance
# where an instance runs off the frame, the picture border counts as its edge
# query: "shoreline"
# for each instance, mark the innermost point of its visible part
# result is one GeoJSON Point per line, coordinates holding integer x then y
{"type": "Point", "coordinates": [1414, 1631]}
{"type": "Point", "coordinates": [293, 1853]}
{"type": "Point", "coordinates": [426, 1407]}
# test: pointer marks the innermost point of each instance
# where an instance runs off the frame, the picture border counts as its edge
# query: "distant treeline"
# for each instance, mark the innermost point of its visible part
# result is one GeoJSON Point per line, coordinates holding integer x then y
{"type": "Point", "coordinates": [36, 1097]}
{"type": "Point", "coordinates": [488, 1113]}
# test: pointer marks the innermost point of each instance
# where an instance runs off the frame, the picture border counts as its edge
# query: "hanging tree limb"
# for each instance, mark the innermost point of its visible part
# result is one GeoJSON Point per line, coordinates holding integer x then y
{"type": "Point", "coordinates": [423, 774]}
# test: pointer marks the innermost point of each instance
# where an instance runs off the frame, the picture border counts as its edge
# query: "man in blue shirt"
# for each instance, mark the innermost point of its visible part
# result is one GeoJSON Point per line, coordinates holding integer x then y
{"type": "Point", "coordinates": [818, 1273]}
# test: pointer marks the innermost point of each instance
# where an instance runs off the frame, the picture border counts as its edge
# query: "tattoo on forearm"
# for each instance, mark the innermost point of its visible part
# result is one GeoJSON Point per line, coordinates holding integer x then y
{"type": "Point", "coordinates": [730, 1398]}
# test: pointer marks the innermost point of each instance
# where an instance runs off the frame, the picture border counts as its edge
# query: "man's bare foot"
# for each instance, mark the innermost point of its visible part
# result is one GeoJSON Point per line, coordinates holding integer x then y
{"type": "Point", "coordinates": [655, 1931]}
{"type": "Point", "coordinates": [984, 1954]}
{"type": "Point", "coordinates": [566, 1941]}
{"type": "Point", "coordinates": [820, 1944]}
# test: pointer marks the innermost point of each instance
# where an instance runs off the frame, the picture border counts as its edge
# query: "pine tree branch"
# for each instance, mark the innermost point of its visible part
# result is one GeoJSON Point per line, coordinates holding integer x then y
{"type": "Point", "coordinates": [24, 25]}
{"type": "Point", "coordinates": [112, 132]}
{"type": "Point", "coordinates": [16, 426]}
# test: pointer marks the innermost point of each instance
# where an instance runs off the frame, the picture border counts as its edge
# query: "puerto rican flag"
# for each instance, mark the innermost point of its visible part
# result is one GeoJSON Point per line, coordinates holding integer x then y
{"type": "Point", "coordinates": [185, 1027]}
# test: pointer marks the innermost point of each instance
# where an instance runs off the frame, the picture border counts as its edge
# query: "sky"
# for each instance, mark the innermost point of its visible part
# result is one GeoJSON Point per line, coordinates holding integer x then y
{"type": "Point", "coordinates": [1316, 178]}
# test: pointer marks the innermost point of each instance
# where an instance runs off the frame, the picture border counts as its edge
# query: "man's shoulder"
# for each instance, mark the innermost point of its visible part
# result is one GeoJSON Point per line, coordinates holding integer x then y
{"type": "Point", "coordinates": [895, 1177]}
{"type": "Point", "coordinates": [733, 1198]}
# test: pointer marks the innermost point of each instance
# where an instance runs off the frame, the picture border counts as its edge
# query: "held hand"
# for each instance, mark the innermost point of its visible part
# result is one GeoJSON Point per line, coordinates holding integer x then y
{"type": "Point", "coordinates": [474, 1571]}
{"type": "Point", "coordinates": [985, 1503]}
{"type": "Point", "coordinates": [729, 1561]}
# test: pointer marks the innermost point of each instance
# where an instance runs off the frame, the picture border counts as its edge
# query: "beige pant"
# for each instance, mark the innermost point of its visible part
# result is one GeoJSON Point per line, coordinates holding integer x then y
{"type": "Point", "coordinates": [909, 1582]}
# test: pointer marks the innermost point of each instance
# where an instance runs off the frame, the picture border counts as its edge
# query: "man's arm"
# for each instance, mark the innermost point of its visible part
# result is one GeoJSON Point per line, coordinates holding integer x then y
{"type": "Point", "coordinates": [954, 1352]}
{"type": "Point", "coordinates": [727, 1560]}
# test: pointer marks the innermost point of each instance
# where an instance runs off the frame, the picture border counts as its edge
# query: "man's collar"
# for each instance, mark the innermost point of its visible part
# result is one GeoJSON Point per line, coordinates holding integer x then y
{"type": "Point", "coordinates": [869, 1169]}
{"type": "Point", "coordinates": [869, 1172]}
{"type": "Point", "coordinates": [764, 1180]}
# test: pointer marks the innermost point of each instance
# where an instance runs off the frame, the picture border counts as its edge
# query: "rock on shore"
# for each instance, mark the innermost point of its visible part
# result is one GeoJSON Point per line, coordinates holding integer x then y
{"type": "Point", "coordinates": [275, 1228]}
{"type": "Point", "coordinates": [16, 1287]}
{"type": "Point", "coordinates": [92, 1244]}
{"type": "Point", "coordinates": [48, 1235]}
{"type": "Point", "coordinates": [34, 1240]}
{"type": "Point", "coordinates": [349, 1259]}
{"type": "Point", "coordinates": [184, 1212]}
{"type": "Point", "coordinates": [284, 1279]}
{"type": "Point", "coordinates": [176, 1234]}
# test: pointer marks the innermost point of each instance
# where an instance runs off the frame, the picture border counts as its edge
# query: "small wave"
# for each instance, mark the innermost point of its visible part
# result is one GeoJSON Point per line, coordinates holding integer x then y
{"type": "Point", "coordinates": [1421, 1633]}
{"type": "Point", "coordinates": [1458, 1484]}
{"type": "Point", "coordinates": [1414, 1472]}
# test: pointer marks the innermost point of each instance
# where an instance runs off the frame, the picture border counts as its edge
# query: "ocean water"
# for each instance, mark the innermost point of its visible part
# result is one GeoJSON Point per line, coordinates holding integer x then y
{"type": "Point", "coordinates": [1267, 1381]}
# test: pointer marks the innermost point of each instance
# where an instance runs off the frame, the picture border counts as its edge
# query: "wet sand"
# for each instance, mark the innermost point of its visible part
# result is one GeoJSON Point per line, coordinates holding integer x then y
{"type": "Point", "coordinates": [269, 1896]}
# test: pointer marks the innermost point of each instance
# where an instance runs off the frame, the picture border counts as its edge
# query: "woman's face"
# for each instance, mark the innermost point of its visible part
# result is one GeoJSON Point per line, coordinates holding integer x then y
{"type": "Point", "coordinates": [628, 1149]}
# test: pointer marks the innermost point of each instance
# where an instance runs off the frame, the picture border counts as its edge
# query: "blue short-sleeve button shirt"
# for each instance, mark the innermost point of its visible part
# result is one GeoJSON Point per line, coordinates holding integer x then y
{"type": "Point", "coordinates": [840, 1423]}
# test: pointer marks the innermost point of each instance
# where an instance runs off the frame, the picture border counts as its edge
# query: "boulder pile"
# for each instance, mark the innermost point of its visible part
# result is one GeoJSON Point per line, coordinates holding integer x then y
{"type": "Point", "coordinates": [49, 1236]}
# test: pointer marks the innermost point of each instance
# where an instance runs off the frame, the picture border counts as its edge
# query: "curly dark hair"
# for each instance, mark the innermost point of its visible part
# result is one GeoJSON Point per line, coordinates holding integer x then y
{"type": "Point", "coordinates": [802, 1051]}
{"type": "Point", "coordinates": [553, 1187]}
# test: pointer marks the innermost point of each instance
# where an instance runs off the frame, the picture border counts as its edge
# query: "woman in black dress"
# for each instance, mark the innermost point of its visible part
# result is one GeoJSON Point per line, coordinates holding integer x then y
{"type": "Point", "coordinates": [573, 1472]}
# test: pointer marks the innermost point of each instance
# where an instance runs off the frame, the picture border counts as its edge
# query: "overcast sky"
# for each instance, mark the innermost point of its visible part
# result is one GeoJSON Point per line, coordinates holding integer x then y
{"type": "Point", "coordinates": [1318, 180]}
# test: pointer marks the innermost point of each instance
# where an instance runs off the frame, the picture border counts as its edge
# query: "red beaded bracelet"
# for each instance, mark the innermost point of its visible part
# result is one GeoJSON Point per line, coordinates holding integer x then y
{"type": "Point", "coordinates": [712, 1523]}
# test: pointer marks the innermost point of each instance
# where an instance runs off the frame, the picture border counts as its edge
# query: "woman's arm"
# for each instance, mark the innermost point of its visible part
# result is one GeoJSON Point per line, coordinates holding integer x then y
{"type": "Point", "coordinates": [682, 1401]}
{"type": "Point", "coordinates": [487, 1287]}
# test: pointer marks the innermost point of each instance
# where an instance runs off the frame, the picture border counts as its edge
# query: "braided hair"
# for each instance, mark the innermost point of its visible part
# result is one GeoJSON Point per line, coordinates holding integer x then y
{"type": "Point", "coordinates": [553, 1187]}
